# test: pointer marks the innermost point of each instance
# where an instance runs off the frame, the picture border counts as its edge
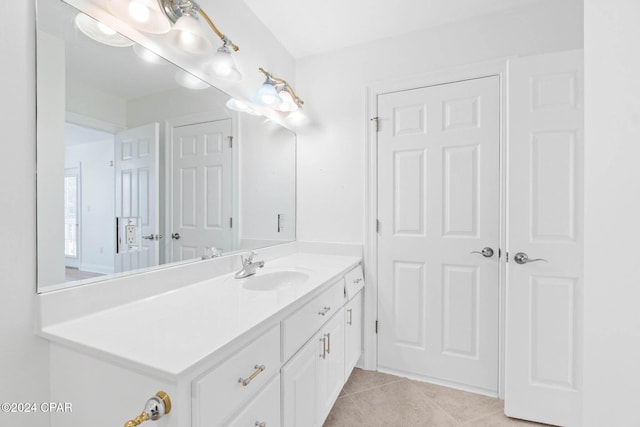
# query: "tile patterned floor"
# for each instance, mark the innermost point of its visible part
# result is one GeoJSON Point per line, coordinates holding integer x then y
{"type": "Point", "coordinates": [376, 399]}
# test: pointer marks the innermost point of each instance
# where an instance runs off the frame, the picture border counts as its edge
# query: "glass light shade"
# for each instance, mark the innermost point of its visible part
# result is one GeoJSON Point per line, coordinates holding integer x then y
{"type": "Point", "coordinates": [288, 104]}
{"type": "Point", "coordinates": [224, 66]}
{"type": "Point", "coordinates": [187, 36]}
{"type": "Point", "coordinates": [298, 117]}
{"type": "Point", "coordinates": [267, 95]}
{"type": "Point", "coordinates": [236, 105]}
{"type": "Point", "coordinates": [139, 11]}
{"type": "Point", "coordinates": [148, 55]}
{"type": "Point", "coordinates": [143, 15]}
{"type": "Point", "coordinates": [190, 81]}
{"type": "Point", "coordinates": [100, 32]}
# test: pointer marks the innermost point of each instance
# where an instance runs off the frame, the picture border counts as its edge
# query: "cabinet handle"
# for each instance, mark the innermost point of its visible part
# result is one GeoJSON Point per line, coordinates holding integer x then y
{"type": "Point", "coordinates": [328, 342]}
{"type": "Point", "coordinates": [358, 280]}
{"type": "Point", "coordinates": [350, 321]}
{"type": "Point", "coordinates": [245, 381]}
{"type": "Point", "coordinates": [324, 311]}
{"type": "Point", "coordinates": [324, 347]}
{"type": "Point", "coordinates": [260, 424]}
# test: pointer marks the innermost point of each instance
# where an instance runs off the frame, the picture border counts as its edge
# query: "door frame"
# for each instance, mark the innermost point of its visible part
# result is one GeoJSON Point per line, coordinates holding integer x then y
{"type": "Point", "coordinates": [193, 119]}
{"type": "Point", "coordinates": [436, 77]}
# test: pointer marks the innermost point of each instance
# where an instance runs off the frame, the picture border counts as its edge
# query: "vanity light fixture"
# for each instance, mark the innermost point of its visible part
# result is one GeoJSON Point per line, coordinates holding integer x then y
{"type": "Point", "coordinates": [186, 34]}
{"type": "Point", "coordinates": [100, 32]}
{"type": "Point", "coordinates": [277, 92]}
{"type": "Point", "coordinates": [144, 15]}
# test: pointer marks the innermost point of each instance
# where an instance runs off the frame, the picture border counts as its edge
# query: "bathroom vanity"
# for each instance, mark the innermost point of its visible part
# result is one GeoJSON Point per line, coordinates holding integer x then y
{"type": "Point", "coordinates": [271, 349]}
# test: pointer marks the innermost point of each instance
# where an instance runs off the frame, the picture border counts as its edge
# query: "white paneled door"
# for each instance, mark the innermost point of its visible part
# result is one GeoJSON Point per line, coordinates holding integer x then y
{"type": "Point", "coordinates": [136, 170]}
{"type": "Point", "coordinates": [201, 187]}
{"type": "Point", "coordinates": [438, 207]}
{"type": "Point", "coordinates": [545, 239]}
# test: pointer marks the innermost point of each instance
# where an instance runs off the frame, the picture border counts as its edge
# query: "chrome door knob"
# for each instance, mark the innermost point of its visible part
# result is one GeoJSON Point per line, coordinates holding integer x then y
{"type": "Point", "coordinates": [486, 252]}
{"type": "Point", "coordinates": [522, 258]}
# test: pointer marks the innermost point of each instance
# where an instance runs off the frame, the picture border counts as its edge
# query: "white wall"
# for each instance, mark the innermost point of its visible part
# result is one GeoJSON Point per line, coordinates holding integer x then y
{"type": "Point", "coordinates": [23, 356]}
{"type": "Point", "coordinates": [98, 203]}
{"type": "Point", "coordinates": [331, 153]}
{"type": "Point", "coordinates": [612, 210]}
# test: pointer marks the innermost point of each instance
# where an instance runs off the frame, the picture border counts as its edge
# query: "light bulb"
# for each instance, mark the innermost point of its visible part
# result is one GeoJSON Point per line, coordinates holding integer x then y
{"type": "Point", "coordinates": [267, 95]}
{"type": "Point", "coordinates": [139, 11]}
{"type": "Point", "coordinates": [187, 36]}
{"type": "Point", "coordinates": [297, 117]}
{"type": "Point", "coordinates": [223, 65]}
{"type": "Point", "coordinates": [105, 30]}
{"type": "Point", "coordinates": [288, 104]}
{"type": "Point", "coordinates": [143, 15]}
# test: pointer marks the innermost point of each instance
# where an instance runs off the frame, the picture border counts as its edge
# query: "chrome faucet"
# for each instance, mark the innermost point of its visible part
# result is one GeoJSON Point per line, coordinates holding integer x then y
{"type": "Point", "coordinates": [248, 266]}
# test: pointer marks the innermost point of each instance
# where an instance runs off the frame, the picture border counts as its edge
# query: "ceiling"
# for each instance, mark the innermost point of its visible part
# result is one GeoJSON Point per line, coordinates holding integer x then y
{"type": "Point", "coordinates": [307, 28]}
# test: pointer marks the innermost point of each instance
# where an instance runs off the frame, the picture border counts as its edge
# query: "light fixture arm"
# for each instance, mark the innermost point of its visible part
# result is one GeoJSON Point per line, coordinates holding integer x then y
{"type": "Point", "coordinates": [174, 9]}
{"type": "Point", "coordinates": [287, 86]}
{"type": "Point", "coordinates": [215, 30]}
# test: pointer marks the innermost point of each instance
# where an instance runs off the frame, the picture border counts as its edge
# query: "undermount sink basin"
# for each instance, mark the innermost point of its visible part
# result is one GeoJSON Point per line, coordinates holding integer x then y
{"type": "Point", "coordinates": [275, 280]}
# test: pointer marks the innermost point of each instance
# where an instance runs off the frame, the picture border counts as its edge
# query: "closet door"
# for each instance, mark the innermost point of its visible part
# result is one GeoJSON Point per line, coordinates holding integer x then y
{"type": "Point", "coordinates": [438, 208]}
{"type": "Point", "coordinates": [545, 239]}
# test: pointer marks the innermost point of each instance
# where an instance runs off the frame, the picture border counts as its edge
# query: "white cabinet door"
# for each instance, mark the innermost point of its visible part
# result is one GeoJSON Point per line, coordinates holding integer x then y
{"type": "Point", "coordinates": [263, 410]}
{"type": "Point", "coordinates": [352, 334]}
{"type": "Point", "coordinates": [300, 386]}
{"type": "Point", "coordinates": [544, 299]}
{"type": "Point", "coordinates": [331, 367]}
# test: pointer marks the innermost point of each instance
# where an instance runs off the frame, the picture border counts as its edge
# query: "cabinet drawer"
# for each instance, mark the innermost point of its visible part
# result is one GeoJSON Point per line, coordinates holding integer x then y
{"type": "Point", "coordinates": [264, 410]}
{"type": "Point", "coordinates": [302, 324]}
{"type": "Point", "coordinates": [219, 393]}
{"type": "Point", "coordinates": [354, 281]}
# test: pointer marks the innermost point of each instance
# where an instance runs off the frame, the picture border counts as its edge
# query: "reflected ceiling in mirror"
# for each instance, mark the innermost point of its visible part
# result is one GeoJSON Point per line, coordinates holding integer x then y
{"type": "Point", "coordinates": [140, 164]}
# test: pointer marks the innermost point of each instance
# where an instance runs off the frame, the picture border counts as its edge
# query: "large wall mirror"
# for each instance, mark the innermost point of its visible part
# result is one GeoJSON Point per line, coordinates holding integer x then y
{"type": "Point", "coordinates": [139, 162]}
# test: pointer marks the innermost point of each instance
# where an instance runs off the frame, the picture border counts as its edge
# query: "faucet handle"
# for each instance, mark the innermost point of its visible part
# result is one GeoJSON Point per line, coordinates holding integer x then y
{"type": "Point", "coordinates": [248, 260]}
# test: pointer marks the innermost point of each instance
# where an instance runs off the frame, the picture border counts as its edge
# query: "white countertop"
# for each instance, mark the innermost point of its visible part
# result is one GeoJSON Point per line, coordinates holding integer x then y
{"type": "Point", "coordinates": [172, 331]}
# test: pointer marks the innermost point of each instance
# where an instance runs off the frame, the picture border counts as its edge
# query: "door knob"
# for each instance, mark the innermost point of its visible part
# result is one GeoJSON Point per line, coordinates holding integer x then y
{"type": "Point", "coordinates": [522, 258]}
{"type": "Point", "coordinates": [486, 252]}
{"type": "Point", "coordinates": [175, 236]}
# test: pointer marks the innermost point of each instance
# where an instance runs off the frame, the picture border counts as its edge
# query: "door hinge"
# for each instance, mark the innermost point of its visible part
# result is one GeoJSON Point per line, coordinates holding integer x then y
{"type": "Point", "coordinates": [506, 256]}
{"type": "Point", "coordinates": [376, 326]}
{"type": "Point", "coordinates": [230, 141]}
{"type": "Point", "coordinates": [377, 225]}
{"type": "Point", "coordinates": [230, 222]}
{"type": "Point", "coordinates": [377, 120]}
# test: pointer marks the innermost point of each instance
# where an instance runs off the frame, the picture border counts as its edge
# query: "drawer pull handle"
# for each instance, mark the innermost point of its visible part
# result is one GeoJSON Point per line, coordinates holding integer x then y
{"type": "Point", "coordinates": [261, 424]}
{"type": "Point", "coordinates": [350, 321]}
{"type": "Point", "coordinates": [245, 381]}
{"type": "Point", "coordinates": [358, 280]}
{"type": "Point", "coordinates": [324, 311]}
{"type": "Point", "coordinates": [328, 342]}
{"type": "Point", "coordinates": [324, 347]}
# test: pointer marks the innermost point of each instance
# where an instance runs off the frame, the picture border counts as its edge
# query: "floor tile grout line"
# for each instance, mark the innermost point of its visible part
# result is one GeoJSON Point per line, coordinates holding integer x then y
{"type": "Point", "coordinates": [374, 387]}
{"type": "Point", "coordinates": [436, 404]}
